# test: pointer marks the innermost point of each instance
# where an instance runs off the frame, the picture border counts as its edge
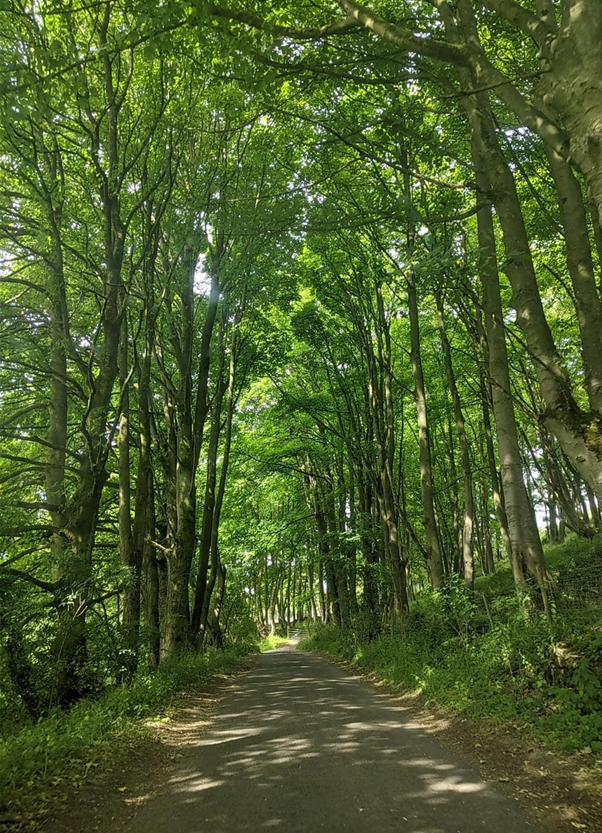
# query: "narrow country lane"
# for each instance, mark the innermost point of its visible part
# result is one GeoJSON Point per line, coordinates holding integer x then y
{"type": "Point", "coordinates": [298, 745]}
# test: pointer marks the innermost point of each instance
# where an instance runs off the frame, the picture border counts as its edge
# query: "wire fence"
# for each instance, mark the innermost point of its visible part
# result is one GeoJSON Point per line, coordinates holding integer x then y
{"type": "Point", "coordinates": [573, 589]}
{"type": "Point", "coordinates": [579, 586]}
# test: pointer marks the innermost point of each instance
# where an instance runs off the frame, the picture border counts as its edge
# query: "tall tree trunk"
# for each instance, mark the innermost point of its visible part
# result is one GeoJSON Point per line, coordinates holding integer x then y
{"type": "Point", "coordinates": [188, 441]}
{"type": "Point", "coordinates": [218, 605]}
{"type": "Point", "coordinates": [571, 86]}
{"type": "Point", "coordinates": [369, 557]}
{"type": "Point", "coordinates": [498, 501]}
{"type": "Point", "coordinates": [527, 552]}
{"type": "Point", "coordinates": [144, 515]}
{"type": "Point", "coordinates": [332, 596]}
{"type": "Point", "coordinates": [579, 433]}
{"type": "Point", "coordinates": [489, 562]}
{"type": "Point", "coordinates": [209, 504]}
{"type": "Point", "coordinates": [581, 270]}
{"type": "Point", "coordinates": [219, 500]}
{"type": "Point", "coordinates": [467, 557]}
{"type": "Point", "coordinates": [151, 584]}
{"type": "Point", "coordinates": [323, 606]}
{"type": "Point", "coordinates": [434, 555]}
{"type": "Point", "coordinates": [131, 556]}
{"type": "Point", "coordinates": [385, 423]}
{"type": "Point", "coordinates": [495, 180]}
{"type": "Point", "coordinates": [69, 647]}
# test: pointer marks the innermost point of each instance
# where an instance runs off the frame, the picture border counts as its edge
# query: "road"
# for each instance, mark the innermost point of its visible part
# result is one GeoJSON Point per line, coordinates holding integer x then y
{"type": "Point", "coordinates": [300, 746]}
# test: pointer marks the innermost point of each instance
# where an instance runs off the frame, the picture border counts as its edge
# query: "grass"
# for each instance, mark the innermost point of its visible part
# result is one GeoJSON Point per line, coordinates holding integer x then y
{"type": "Point", "coordinates": [268, 643]}
{"type": "Point", "coordinates": [42, 754]}
{"type": "Point", "coordinates": [545, 681]}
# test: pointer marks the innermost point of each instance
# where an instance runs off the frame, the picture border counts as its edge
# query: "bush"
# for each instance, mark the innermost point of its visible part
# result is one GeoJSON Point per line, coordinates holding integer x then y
{"type": "Point", "coordinates": [513, 671]}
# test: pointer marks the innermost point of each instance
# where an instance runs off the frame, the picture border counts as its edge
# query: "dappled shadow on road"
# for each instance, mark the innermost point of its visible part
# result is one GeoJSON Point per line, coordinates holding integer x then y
{"type": "Point", "coordinates": [299, 746]}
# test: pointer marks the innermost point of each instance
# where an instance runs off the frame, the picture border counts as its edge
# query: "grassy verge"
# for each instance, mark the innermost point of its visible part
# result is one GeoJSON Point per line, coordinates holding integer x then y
{"type": "Point", "coordinates": [545, 681]}
{"type": "Point", "coordinates": [268, 643]}
{"type": "Point", "coordinates": [36, 759]}
{"type": "Point", "coordinates": [491, 678]}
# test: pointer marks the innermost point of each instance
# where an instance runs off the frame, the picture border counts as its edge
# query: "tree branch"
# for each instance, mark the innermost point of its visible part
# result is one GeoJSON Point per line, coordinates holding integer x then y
{"type": "Point", "coordinates": [336, 27]}
{"type": "Point", "coordinates": [528, 22]}
{"type": "Point", "coordinates": [50, 587]}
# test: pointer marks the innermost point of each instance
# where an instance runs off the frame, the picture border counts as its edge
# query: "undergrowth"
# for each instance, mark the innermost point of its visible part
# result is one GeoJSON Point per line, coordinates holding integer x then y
{"type": "Point", "coordinates": [495, 663]}
{"type": "Point", "coordinates": [268, 643]}
{"type": "Point", "coordinates": [41, 754]}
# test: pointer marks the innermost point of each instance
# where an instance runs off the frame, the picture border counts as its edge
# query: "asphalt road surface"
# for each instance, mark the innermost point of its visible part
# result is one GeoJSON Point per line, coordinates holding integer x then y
{"type": "Point", "coordinates": [299, 745]}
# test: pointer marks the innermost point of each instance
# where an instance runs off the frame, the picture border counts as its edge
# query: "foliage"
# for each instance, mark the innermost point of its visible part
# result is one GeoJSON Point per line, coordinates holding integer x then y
{"type": "Point", "coordinates": [545, 682]}
{"type": "Point", "coordinates": [268, 643]}
{"type": "Point", "coordinates": [41, 754]}
{"type": "Point", "coordinates": [295, 327]}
